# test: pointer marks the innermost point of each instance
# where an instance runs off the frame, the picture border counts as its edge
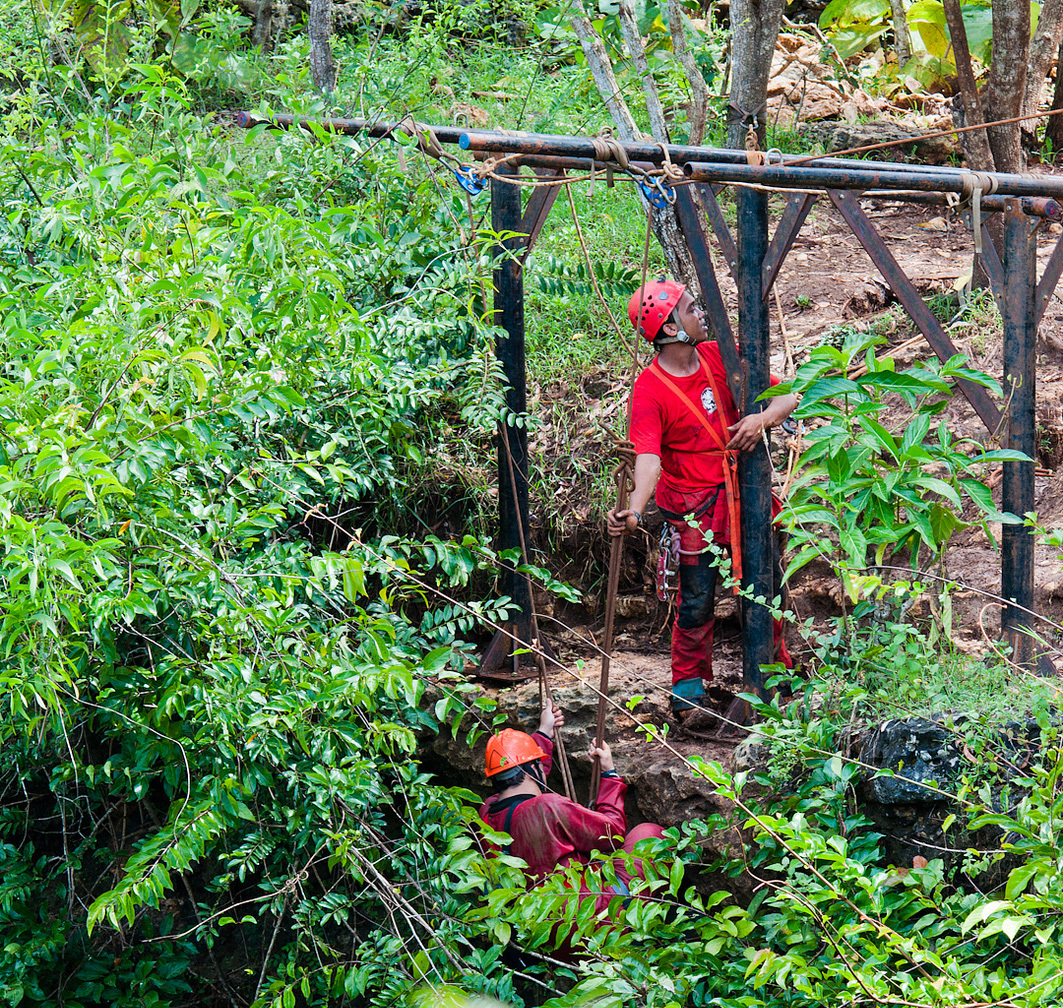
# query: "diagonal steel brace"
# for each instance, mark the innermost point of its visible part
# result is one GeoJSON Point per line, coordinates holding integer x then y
{"type": "Point", "coordinates": [686, 213]}
{"type": "Point", "coordinates": [538, 209]}
{"type": "Point", "coordinates": [786, 231]}
{"type": "Point", "coordinates": [848, 205]}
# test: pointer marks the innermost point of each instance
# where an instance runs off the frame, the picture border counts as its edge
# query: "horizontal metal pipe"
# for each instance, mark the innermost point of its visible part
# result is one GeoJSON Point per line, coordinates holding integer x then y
{"type": "Point", "coordinates": [783, 177]}
{"type": "Point", "coordinates": [546, 143]}
{"type": "Point", "coordinates": [350, 127]}
{"type": "Point", "coordinates": [701, 163]}
{"type": "Point", "coordinates": [555, 161]}
{"type": "Point", "coordinates": [480, 140]}
{"type": "Point", "coordinates": [1032, 206]}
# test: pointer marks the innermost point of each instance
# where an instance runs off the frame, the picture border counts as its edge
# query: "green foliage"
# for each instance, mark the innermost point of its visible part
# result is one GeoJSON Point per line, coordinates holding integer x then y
{"type": "Point", "coordinates": [614, 280]}
{"type": "Point", "coordinates": [230, 368]}
{"type": "Point", "coordinates": [896, 654]}
{"type": "Point", "coordinates": [108, 31]}
{"type": "Point", "coordinates": [876, 491]}
{"type": "Point", "coordinates": [212, 678]}
{"type": "Point", "coordinates": [857, 26]}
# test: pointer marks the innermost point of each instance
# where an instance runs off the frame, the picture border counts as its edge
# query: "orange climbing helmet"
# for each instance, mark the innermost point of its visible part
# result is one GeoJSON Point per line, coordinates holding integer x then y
{"type": "Point", "coordinates": [510, 748]}
{"type": "Point", "coordinates": [651, 305]}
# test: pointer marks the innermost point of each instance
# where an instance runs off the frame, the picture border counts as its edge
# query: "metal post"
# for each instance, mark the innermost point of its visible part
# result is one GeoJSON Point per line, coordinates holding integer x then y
{"type": "Point", "coordinates": [513, 440]}
{"type": "Point", "coordinates": [1020, 390]}
{"type": "Point", "coordinates": [754, 467]}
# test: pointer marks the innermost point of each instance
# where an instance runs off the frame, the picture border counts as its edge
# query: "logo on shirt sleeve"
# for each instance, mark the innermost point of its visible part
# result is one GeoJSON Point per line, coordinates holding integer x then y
{"type": "Point", "coordinates": [708, 401]}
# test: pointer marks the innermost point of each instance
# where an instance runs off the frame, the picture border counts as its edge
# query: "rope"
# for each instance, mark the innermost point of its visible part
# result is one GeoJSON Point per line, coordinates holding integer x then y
{"type": "Point", "coordinates": [926, 136]}
{"type": "Point", "coordinates": [622, 473]}
{"type": "Point", "coordinates": [608, 148]}
{"type": "Point", "coordinates": [626, 451]}
{"type": "Point", "coordinates": [975, 185]}
{"type": "Point", "coordinates": [424, 137]}
{"type": "Point", "coordinates": [594, 279]}
{"type": "Point", "coordinates": [729, 458]}
{"type": "Point", "coordinates": [544, 681]}
{"type": "Point", "coordinates": [672, 172]}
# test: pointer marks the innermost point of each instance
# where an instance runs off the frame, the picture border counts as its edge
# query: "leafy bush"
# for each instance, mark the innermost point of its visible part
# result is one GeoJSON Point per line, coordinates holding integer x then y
{"type": "Point", "coordinates": [210, 718]}
{"type": "Point", "coordinates": [881, 492]}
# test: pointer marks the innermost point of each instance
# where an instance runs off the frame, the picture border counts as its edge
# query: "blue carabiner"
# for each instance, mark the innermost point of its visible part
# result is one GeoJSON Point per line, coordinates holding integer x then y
{"type": "Point", "coordinates": [468, 180]}
{"type": "Point", "coordinates": [655, 194]}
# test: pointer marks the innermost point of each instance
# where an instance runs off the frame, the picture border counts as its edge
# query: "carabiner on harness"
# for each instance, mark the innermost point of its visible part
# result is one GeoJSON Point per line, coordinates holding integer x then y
{"type": "Point", "coordinates": [667, 563]}
{"type": "Point", "coordinates": [469, 180]}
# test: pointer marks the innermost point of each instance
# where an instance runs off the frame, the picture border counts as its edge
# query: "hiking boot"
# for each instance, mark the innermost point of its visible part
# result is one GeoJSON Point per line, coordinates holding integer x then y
{"type": "Point", "coordinates": [687, 696]}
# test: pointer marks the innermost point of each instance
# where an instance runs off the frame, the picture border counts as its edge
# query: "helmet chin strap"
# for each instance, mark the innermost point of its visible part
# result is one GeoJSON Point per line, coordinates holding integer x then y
{"type": "Point", "coordinates": [679, 337]}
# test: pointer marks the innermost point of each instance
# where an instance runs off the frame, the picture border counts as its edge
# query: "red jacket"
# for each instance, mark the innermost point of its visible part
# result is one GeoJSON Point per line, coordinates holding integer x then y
{"type": "Point", "coordinates": [549, 831]}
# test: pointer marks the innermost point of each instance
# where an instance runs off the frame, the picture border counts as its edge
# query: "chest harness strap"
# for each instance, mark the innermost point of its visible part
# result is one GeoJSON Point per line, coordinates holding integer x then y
{"type": "Point", "coordinates": [730, 455]}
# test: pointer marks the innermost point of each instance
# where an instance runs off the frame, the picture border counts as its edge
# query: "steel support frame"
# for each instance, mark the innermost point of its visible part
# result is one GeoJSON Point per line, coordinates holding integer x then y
{"type": "Point", "coordinates": [1020, 396]}
{"type": "Point", "coordinates": [754, 467]}
{"type": "Point", "coordinates": [849, 207]}
{"type": "Point", "coordinates": [513, 513]}
{"type": "Point", "coordinates": [1022, 298]}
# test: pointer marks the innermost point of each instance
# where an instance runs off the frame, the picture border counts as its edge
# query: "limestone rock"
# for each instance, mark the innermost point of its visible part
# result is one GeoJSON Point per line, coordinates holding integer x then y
{"type": "Point", "coordinates": [668, 793]}
{"type": "Point", "coordinates": [838, 136]}
{"type": "Point", "coordinates": [917, 751]}
{"type": "Point", "coordinates": [753, 753]}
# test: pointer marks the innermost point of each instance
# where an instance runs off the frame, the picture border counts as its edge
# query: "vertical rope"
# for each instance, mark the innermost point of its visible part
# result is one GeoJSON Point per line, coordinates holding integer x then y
{"type": "Point", "coordinates": [545, 693]}
{"type": "Point", "coordinates": [623, 476]}
{"type": "Point", "coordinates": [622, 473]}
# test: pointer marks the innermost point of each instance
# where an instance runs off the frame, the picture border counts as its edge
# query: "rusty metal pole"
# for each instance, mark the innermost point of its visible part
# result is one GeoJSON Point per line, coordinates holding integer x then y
{"type": "Point", "coordinates": [513, 440]}
{"type": "Point", "coordinates": [1020, 391]}
{"type": "Point", "coordinates": [754, 467]}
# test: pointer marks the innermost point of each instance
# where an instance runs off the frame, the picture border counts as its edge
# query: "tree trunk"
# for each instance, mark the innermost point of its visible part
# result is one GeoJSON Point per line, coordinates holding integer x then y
{"type": "Point", "coordinates": [602, 74]}
{"type": "Point", "coordinates": [319, 28]}
{"type": "Point", "coordinates": [976, 142]}
{"type": "Point", "coordinates": [1007, 81]}
{"type": "Point", "coordinates": [754, 32]}
{"type": "Point", "coordinates": [664, 222]}
{"type": "Point", "coordinates": [902, 42]}
{"type": "Point", "coordinates": [1043, 49]}
{"type": "Point", "coordinates": [1054, 130]}
{"type": "Point", "coordinates": [699, 90]}
{"type": "Point", "coordinates": [262, 28]}
{"type": "Point", "coordinates": [633, 41]}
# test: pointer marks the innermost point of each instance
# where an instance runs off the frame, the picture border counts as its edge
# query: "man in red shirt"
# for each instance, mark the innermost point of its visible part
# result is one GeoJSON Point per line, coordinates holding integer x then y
{"type": "Point", "coordinates": [684, 423]}
{"type": "Point", "coordinates": [549, 831]}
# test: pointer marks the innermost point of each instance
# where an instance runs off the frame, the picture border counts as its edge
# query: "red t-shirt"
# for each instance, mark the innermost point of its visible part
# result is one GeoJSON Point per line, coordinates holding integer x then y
{"type": "Point", "coordinates": [663, 424]}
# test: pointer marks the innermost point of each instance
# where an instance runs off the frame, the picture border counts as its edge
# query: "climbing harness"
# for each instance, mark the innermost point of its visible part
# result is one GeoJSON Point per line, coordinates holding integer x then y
{"type": "Point", "coordinates": [729, 456]}
{"type": "Point", "coordinates": [671, 551]}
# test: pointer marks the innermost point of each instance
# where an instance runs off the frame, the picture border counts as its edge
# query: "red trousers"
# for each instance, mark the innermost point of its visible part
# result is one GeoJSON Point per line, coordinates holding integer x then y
{"type": "Point", "coordinates": [695, 607]}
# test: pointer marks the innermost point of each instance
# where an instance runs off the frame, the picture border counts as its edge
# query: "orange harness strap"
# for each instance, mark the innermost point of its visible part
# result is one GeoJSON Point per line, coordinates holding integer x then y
{"type": "Point", "coordinates": [730, 456]}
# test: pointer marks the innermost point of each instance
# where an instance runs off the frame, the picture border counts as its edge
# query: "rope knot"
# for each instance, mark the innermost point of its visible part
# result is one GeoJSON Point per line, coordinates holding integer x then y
{"type": "Point", "coordinates": [975, 186]}
{"type": "Point", "coordinates": [671, 171]}
{"type": "Point", "coordinates": [607, 148]}
{"type": "Point", "coordinates": [423, 135]}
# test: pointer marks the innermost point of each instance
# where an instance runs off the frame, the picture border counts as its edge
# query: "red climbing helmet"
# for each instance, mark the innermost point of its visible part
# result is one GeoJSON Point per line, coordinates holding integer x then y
{"type": "Point", "coordinates": [651, 305]}
{"type": "Point", "coordinates": [510, 748]}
